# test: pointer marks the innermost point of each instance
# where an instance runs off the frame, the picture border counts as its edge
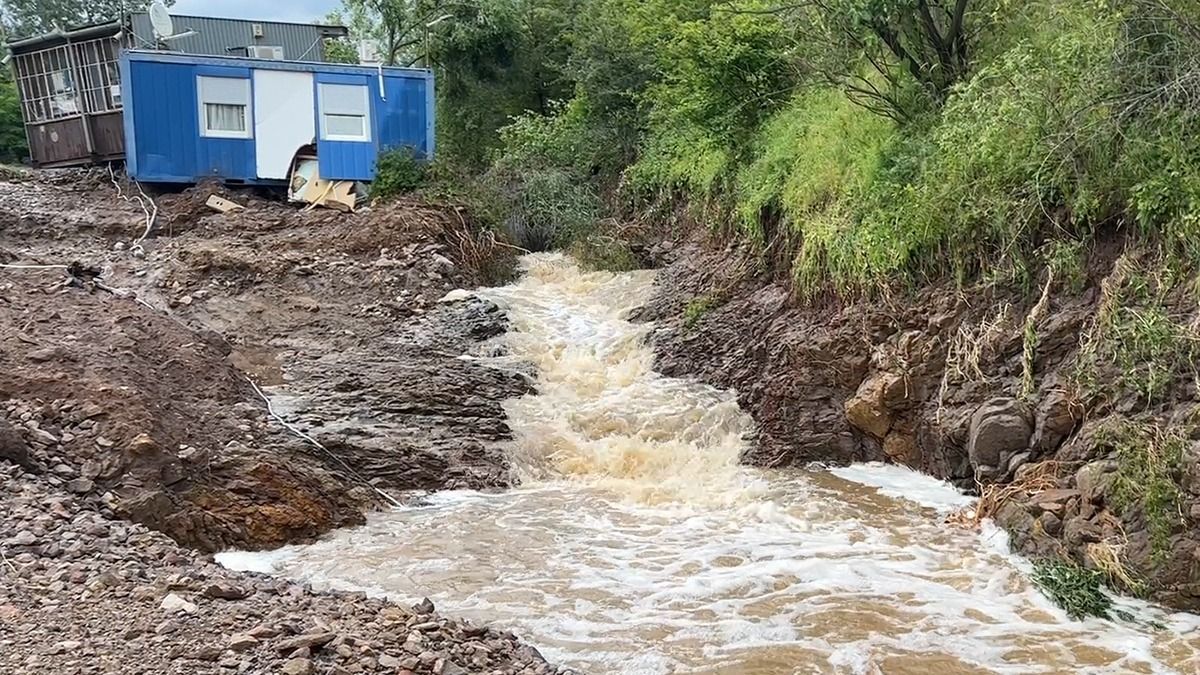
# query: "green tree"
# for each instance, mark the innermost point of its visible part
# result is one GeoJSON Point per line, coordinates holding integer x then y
{"type": "Point", "coordinates": [13, 146]}
{"type": "Point", "coordinates": [338, 50]}
{"type": "Point", "coordinates": [896, 57]}
{"type": "Point", "coordinates": [32, 17]}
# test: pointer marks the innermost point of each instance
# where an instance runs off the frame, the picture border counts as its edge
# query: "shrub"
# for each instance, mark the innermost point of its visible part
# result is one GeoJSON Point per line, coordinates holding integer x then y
{"type": "Point", "coordinates": [538, 209]}
{"type": "Point", "coordinates": [13, 146]}
{"type": "Point", "coordinates": [397, 171]}
{"type": "Point", "coordinates": [604, 252]}
{"type": "Point", "coordinates": [1148, 461]}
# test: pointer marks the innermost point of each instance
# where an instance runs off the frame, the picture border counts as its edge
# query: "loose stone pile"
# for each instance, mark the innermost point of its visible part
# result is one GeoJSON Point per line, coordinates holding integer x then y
{"type": "Point", "coordinates": [81, 592]}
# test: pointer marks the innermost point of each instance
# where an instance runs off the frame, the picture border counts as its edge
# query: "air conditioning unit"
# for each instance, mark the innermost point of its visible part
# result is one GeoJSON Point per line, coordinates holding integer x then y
{"type": "Point", "coordinates": [257, 29]}
{"type": "Point", "coordinates": [265, 52]}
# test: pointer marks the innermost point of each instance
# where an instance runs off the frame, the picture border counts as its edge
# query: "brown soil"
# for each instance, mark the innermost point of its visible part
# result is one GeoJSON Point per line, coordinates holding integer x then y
{"type": "Point", "coordinates": [141, 363]}
{"type": "Point", "coordinates": [935, 379]}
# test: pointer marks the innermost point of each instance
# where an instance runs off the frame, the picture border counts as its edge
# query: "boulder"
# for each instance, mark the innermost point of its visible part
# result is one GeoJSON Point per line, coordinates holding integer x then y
{"type": "Point", "coordinates": [869, 410]}
{"type": "Point", "coordinates": [297, 667]}
{"type": "Point", "coordinates": [999, 428]}
{"type": "Point", "coordinates": [1093, 480]}
{"type": "Point", "coordinates": [1079, 531]}
{"type": "Point", "coordinates": [1057, 415]}
{"type": "Point", "coordinates": [902, 448]}
{"type": "Point", "coordinates": [13, 448]}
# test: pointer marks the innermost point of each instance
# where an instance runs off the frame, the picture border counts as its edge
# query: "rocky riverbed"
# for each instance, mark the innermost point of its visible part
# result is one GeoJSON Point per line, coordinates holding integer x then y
{"type": "Point", "coordinates": [135, 438]}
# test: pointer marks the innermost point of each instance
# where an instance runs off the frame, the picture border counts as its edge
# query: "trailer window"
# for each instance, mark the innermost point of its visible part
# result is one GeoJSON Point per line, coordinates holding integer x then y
{"type": "Point", "coordinates": [224, 106]}
{"type": "Point", "coordinates": [345, 112]}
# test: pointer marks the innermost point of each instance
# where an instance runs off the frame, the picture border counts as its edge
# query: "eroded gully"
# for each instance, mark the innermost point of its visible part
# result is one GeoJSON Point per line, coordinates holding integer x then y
{"type": "Point", "coordinates": [637, 544]}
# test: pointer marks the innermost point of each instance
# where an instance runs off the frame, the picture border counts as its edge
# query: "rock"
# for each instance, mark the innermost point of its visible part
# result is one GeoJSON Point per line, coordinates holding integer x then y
{"type": "Point", "coordinates": [141, 445]}
{"type": "Point", "coordinates": [1079, 531]}
{"type": "Point", "coordinates": [297, 667]}
{"type": "Point", "coordinates": [262, 632]}
{"type": "Point", "coordinates": [1057, 415]}
{"type": "Point", "coordinates": [42, 436]}
{"type": "Point", "coordinates": [225, 591]}
{"type": "Point", "coordinates": [13, 448]}
{"type": "Point", "coordinates": [1094, 479]}
{"type": "Point", "coordinates": [1054, 501]}
{"type": "Point", "coordinates": [174, 603]}
{"type": "Point", "coordinates": [23, 538]}
{"type": "Point", "coordinates": [1015, 462]}
{"type": "Point", "coordinates": [66, 646]}
{"type": "Point", "coordinates": [1051, 524]}
{"type": "Point", "coordinates": [46, 354]}
{"type": "Point", "coordinates": [867, 410]}
{"type": "Point", "coordinates": [388, 661]}
{"type": "Point", "coordinates": [902, 449]}
{"type": "Point", "coordinates": [207, 653]}
{"type": "Point", "coordinates": [80, 486]}
{"type": "Point", "coordinates": [425, 606]}
{"type": "Point", "coordinates": [305, 303]}
{"type": "Point", "coordinates": [89, 410]}
{"type": "Point", "coordinates": [309, 640]}
{"type": "Point", "coordinates": [998, 429]}
{"type": "Point", "coordinates": [242, 642]}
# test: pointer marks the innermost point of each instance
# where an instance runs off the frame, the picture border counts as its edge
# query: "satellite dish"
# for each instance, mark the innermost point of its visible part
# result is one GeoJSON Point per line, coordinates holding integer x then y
{"type": "Point", "coordinates": [160, 21]}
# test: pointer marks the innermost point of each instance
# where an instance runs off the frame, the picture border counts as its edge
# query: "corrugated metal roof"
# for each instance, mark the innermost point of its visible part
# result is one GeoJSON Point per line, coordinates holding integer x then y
{"type": "Point", "coordinates": [227, 37]}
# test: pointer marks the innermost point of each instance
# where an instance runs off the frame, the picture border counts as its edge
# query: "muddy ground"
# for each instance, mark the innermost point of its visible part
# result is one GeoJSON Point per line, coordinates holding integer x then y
{"type": "Point", "coordinates": [131, 391]}
{"type": "Point", "coordinates": [1070, 405]}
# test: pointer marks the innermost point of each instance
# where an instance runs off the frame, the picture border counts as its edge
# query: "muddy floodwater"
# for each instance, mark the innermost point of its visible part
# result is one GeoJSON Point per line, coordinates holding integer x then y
{"type": "Point", "coordinates": [637, 545]}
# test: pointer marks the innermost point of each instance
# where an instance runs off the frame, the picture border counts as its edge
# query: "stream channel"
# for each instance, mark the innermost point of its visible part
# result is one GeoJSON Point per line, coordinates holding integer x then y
{"type": "Point", "coordinates": [636, 544]}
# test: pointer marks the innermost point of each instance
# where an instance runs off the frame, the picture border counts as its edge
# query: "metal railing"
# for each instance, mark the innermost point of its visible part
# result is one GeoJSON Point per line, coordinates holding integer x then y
{"type": "Point", "coordinates": [69, 80]}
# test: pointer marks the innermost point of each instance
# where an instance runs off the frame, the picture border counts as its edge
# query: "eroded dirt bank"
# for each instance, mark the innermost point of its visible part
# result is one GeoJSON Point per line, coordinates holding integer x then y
{"type": "Point", "coordinates": [1072, 403]}
{"type": "Point", "coordinates": [129, 395]}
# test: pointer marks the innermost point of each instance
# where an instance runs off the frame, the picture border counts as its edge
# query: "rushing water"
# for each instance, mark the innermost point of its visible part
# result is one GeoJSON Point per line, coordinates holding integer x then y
{"type": "Point", "coordinates": [636, 543]}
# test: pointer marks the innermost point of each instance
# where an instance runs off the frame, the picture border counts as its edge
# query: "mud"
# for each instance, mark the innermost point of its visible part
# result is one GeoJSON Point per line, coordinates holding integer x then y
{"type": "Point", "coordinates": [143, 370]}
{"type": "Point", "coordinates": [996, 387]}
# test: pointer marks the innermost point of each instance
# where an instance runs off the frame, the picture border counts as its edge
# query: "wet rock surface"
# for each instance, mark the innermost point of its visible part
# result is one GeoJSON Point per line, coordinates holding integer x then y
{"type": "Point", "coordinates": [949, 381]}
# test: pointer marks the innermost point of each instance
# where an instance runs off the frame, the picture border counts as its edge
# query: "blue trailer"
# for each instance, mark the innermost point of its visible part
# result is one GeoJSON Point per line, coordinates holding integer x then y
{"type": "Point", "coordinates": [241, 120]}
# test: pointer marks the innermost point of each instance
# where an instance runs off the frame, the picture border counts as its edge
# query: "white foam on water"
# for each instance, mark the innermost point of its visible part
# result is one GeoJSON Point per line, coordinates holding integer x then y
{"type": "Point", "coordinates": [637, 544]}
{"type": "Point", "coordinates": [904, 483]}
{"type": "Point", "coordinates": [264, 562]}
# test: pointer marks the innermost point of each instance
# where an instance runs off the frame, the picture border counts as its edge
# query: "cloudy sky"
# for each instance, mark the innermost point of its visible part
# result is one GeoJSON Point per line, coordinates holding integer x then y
{"type": "Point", "coordinates": [291, 10]}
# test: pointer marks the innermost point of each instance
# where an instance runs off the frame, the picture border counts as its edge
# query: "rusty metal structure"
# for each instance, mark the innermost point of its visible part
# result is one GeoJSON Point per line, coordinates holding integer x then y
{"type": "Point", "coordinates": [70, 91]}
{"type": "Point", "coordinates": [70, 82]}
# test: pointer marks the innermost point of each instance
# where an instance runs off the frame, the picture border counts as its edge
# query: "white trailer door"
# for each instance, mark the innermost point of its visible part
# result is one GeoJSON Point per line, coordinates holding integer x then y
{"type": "Point", "coordinates": [284, 119]}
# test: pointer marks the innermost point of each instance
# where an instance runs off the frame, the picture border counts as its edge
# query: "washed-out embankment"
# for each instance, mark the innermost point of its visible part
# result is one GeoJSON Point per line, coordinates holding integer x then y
{"type": "Point", "coordinates": [136, 438]}
{"type": "Point", "coordinates": [1071, 403]}
{"type": "Point", "coordinates": [636, 542]}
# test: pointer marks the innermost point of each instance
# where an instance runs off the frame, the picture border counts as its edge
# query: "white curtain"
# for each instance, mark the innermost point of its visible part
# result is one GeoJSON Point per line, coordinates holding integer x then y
{"type": "Point", "coordinates": [225, 117]}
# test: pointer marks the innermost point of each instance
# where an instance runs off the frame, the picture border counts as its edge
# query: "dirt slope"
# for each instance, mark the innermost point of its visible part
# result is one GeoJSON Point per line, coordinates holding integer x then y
{"type": "Point", "coordinates": [132, 378]}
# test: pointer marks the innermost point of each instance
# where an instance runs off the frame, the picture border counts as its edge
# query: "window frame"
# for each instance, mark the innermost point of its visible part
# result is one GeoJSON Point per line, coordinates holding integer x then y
{"type": "Point", "coordinates": [203, 99]}
{"type": "Point", "coordinates": [323, 115]}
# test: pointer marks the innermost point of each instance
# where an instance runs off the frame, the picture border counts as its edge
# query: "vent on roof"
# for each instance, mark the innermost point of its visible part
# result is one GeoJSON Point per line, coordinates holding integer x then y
{"type": "Point", "coordinates": [265, 52]}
